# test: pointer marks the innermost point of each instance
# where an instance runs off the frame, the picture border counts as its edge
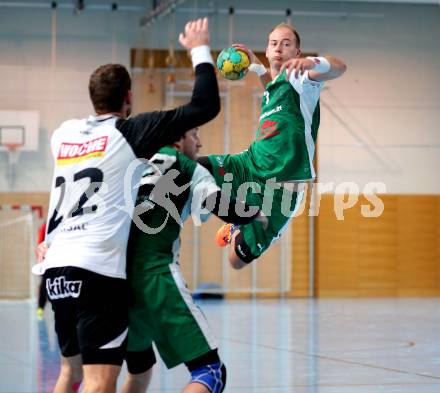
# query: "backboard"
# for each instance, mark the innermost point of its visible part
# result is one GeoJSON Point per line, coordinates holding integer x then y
{"type": "Point", "coordinates": [19, 128]}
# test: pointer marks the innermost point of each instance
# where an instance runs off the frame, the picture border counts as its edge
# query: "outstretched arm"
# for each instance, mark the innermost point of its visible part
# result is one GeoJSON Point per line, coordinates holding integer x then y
{"type": "Point", "coordinates": [148, 132]}
{"type": "Point", "coordinates": [320, 69]}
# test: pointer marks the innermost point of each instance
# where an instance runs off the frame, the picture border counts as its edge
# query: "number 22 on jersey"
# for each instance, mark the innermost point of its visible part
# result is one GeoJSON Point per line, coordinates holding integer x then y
{"type": "Point", "coordinates": [78, 208]}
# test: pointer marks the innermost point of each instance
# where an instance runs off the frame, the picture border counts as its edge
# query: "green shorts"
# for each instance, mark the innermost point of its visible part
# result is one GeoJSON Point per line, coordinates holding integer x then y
{"type": "Point", "coordinates": [278, 204]}
{"type": "Point", "coordinates": [162, 311]}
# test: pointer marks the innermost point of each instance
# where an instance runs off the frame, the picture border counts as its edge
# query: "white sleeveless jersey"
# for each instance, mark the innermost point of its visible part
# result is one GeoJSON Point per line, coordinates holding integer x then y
{"type": "Point", "coordinates": [89, 218]}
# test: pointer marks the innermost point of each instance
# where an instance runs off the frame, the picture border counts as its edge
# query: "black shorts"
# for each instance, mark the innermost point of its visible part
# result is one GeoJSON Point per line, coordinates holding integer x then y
{"type": "Point", "coordinates": [91, 314]}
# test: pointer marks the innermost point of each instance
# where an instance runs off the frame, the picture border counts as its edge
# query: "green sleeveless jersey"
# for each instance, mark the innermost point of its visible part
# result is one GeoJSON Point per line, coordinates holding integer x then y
{"type": "Point", "coordinates": [284, 145]}
{"type": "Point", "coordinates": [154, 237]}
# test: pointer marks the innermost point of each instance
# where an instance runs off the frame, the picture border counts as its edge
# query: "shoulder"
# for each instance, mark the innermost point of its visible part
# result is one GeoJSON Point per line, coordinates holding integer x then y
{"type": "Point", "coordinates": [168, 150]}
{"type": "Point", "coordinates": [66, 127]}
{"type": "Point", "coordinates": [71, 123]}
{"type": "Point", "coordinates": [165, 159]}
{"type": "Point", "coordinates": [186, 164]}
{"type": "Point", "coordinates": [142, 120]}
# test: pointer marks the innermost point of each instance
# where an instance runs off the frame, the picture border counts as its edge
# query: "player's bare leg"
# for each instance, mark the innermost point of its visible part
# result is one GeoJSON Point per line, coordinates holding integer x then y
{"type": "Point", "coordinates": [137, 383]}
{"type": "Point", "coordinates": [226, 236]}
{"type": "Point", "coordinates": [100, 378]}
{"type": "Point", "coordinates": [234, 259]}
{"type": "Point", "coordinates": [69, 379]}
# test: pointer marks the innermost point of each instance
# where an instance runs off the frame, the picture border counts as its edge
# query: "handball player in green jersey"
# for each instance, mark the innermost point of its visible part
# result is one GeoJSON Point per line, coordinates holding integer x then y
{"type": "Point", "coordinates": [281, 156]}
{"type": "Point", "coordinates": [161, 307]}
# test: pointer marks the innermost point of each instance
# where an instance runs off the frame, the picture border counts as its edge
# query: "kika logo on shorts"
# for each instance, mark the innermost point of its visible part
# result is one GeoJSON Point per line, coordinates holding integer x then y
{"type": "Point", "coordinates": [70, 153]}
{"type": "Point", "coordinates": [60, 288]}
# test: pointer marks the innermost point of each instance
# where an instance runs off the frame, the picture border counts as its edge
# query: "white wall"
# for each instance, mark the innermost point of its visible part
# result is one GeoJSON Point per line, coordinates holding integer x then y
{"type": "Point", "coordinates": [380, 122]}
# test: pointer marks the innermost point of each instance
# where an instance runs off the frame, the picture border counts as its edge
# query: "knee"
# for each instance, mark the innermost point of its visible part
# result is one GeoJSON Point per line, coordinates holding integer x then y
{"type": "Point", "coordinates": [235, 262]}
{"type": "Point", "coordinates": [101, 384]}
{"type": "Point", "coordinates": [240, 254]}
{"type": "Point", "coordinates": [209, 371]}
{"type": "Point", "coordinates": [71, 370]}
{"type": "Point", "coordinates": [77, 374]}
{"type": "Point", "coordinates": [137, 383]}
{"type": "Point", "coordinates": [213, 376]}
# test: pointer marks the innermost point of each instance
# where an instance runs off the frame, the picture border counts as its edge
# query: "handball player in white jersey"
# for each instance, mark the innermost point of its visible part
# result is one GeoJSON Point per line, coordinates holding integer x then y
{"type": "Point", "coordinates": [89, 219]}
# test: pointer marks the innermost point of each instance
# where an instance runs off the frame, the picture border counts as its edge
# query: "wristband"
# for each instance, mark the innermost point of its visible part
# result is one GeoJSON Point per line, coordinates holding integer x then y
{"type": "Point", "coordinates": [201, 54]}
{"type": "Point", "coordinates": [259, 69]}
{"type": "Point", "coordinates": [321, 64]}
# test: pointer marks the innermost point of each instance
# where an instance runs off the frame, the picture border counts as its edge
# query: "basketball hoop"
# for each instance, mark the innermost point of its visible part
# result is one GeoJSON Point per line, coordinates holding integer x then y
{"type": "Point", "coordinates": [13, 150]}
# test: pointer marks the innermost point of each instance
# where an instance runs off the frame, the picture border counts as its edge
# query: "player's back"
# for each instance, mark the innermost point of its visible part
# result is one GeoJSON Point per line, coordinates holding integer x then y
{"type": "Point", "coordinates": [90, 205]}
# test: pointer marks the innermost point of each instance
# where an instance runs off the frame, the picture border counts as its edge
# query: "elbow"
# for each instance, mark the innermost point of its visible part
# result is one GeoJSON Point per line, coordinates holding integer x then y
{"type": "Point", "coordinates": [344, 67]}
{"type": "Point", "coordinates": [215, 108]}
{"type": "Point", "coordinates": [217, 105]}
{"type": "Point", "coordinates": [209, 112]}
{"type": "Point", "coordinates": [211, 102]}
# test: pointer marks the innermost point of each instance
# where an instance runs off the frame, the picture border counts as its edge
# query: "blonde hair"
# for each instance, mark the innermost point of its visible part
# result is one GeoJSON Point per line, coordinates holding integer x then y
{"type": "Point", "coordinates": [291, 28]}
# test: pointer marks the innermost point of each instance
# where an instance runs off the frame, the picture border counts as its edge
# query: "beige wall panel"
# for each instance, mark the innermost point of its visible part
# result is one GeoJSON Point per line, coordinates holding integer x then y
{"type": "Point", "coordinates": [419, 258]}
{"type": "Point", "coordinates": [187, 253]}
{"type": "Point", "coordinates": [147, 90]}
{"type": "Point", "coordinates": [300, 249]}
{"type": "Point", "coordinates": [377, 243]}
{"type": "Point", "coordinates": [269, 267]}
{"type": "Point", "coordinates": [396, 254]}
{"type": "Point", "coordinates": [336, 251]}
{"type": "Point", "coordinates": [210, 253]}
{"type": "Point", "coordinates": [300, 257]}
{"type": "Point", "coordinates": [240, 281]}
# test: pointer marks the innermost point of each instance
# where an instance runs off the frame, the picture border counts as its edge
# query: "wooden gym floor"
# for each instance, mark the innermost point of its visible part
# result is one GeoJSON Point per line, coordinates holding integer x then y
{"type": "Point", "coordinates": [385, 345]}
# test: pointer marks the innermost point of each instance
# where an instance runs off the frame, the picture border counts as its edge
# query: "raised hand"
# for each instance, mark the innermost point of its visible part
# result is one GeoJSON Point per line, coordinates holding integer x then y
{"type": "Point", "coordinates": [196, 34]}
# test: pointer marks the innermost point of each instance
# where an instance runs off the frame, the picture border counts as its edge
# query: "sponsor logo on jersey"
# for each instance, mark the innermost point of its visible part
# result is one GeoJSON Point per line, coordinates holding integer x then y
{"type": "Point", "coordinates": [70, 153]}
{"type": "Point", "coordinates": [71, 228]}
{"type": "Point", "coordinates": [279, 108]}
{"type": "Point", "coordinates": [268, 129]}
{"type": "Point", "coordinates": [60, 288]}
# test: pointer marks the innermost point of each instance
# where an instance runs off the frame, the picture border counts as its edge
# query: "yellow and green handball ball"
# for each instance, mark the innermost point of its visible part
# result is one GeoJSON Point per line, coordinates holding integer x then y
{"type": "Point", "coordinates": [233, 63]}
